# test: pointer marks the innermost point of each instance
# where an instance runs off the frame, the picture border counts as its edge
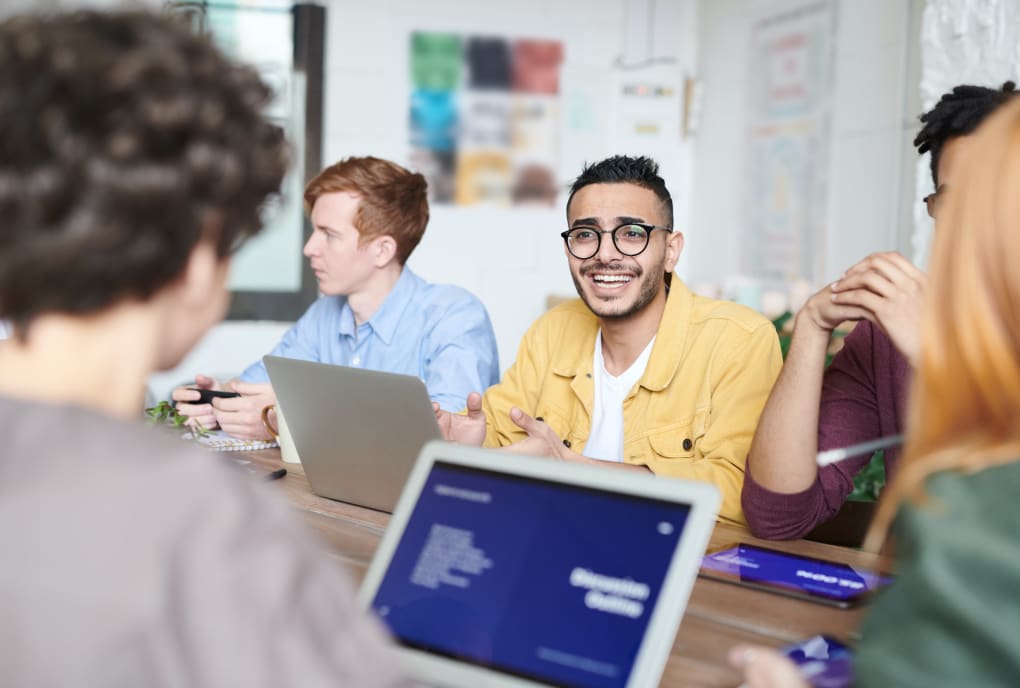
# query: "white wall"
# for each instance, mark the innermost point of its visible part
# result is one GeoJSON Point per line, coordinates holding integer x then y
{"type": "Point", "coordinates": [963, 42]}
{"type": "Point", "coordinates": [874, 111]}
{"type": "Point", "coordinates": [512, 259]}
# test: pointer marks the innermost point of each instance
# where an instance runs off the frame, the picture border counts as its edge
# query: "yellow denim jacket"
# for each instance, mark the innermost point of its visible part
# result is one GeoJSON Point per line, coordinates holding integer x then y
{"type": "Point", "coordinates": [691, 415]}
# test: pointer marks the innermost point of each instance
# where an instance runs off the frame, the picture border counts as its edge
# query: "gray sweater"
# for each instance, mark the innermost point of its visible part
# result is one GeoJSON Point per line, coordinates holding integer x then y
{"type": "Point", "coordinates": [131, 558]}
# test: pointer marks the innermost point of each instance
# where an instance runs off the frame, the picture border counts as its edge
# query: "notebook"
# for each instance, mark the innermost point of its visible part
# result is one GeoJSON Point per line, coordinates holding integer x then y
{"type": "Point", "coordinates": [217, 440]}
{"type": "Point", "coordinates": [357, 431]}
{"type": "Point", "coordinates": [504, 570]}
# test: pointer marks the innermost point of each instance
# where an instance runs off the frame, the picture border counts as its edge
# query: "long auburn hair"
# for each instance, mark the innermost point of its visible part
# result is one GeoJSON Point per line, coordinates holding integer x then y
{"type": "Point", "coordinates": [964, 409]}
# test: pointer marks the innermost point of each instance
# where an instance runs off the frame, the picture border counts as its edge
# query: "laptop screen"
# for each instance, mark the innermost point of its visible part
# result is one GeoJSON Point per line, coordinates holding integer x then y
{"type": "Point", "coordinates": [533, 578]}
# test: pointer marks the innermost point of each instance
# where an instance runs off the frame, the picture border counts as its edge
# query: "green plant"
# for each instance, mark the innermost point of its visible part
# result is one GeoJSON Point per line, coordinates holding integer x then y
{"type": "Point", "coordinates": [165, 413]}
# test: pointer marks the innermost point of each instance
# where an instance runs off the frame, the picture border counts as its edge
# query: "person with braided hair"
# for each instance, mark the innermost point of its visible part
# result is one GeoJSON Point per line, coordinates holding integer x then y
{"type": "Point", "coordinates": [862, 395]}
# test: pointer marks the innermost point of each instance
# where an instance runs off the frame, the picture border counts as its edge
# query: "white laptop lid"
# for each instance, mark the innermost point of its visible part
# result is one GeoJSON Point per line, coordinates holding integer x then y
{"type": "Point", "coordinates": [357, 432]}
{"type": "Point", "coordinates": [504, 570]}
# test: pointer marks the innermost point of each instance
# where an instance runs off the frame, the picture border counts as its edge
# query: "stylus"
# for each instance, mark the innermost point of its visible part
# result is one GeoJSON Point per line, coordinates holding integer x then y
{"type": "Point", "coordinates": [836, 455]}
{"type": "Point", "coordinates": [277, 474]}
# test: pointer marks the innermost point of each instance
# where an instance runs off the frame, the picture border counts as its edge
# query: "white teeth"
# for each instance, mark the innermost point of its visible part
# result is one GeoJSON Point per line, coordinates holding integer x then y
{"type": "Point", "coordinates": [611, 278]}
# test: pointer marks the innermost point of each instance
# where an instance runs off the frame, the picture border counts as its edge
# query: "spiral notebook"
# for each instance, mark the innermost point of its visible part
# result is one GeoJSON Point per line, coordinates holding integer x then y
{"type": "Point", "coordinates": [217, 440]}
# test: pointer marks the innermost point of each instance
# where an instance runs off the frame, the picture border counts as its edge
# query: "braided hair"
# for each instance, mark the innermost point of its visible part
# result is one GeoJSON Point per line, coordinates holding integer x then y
{"type": "Point", "coordinates": [957, 113]}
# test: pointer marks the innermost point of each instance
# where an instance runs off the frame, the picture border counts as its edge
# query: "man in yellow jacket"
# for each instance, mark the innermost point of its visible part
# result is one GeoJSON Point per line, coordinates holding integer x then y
{"type": "Point", "coordinates": [639, 373]}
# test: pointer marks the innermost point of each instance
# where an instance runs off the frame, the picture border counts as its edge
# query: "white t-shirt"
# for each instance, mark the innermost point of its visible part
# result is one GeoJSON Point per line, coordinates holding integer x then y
{"type": "Point", "coordinates": [606, 438]}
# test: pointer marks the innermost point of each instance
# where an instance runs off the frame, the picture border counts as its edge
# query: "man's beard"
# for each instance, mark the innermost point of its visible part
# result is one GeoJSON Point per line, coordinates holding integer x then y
{"type": "Point", "coordinates": [646, 294]}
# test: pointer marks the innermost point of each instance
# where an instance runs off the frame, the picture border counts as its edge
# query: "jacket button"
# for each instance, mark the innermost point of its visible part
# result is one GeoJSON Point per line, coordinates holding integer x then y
{"type": "Point", "coordinates": [688, 444]}
{"type": "Point", "coordinates": [566, 443]}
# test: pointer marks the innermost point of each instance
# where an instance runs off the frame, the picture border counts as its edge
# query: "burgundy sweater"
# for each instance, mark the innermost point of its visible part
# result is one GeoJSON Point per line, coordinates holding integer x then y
{"type": "Point", "coordinates": [864, 393]}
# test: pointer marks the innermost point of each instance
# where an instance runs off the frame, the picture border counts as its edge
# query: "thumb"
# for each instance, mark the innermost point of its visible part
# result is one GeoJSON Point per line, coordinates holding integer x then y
{"type": "Point", "coordinates": [523, 420]}
{"type": "Point", "coordinates": [474, 405]}
{"type": "Point", "coordinates": [204, 382]}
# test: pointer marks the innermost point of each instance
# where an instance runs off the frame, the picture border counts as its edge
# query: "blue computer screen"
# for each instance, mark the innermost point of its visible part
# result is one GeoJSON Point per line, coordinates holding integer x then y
{"type": "Point", "coordinates": [534, 578]}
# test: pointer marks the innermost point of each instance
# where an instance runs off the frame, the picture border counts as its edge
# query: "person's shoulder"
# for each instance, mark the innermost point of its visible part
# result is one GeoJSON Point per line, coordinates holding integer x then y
{"type": "Point", "coordinates": [991, 489]}
{"type": "Point", "coordinates": [447, 295]}
{"type": "Point", "coordinates": [568, 315]}
{"type": "Point", "coordinates": [705, 310]}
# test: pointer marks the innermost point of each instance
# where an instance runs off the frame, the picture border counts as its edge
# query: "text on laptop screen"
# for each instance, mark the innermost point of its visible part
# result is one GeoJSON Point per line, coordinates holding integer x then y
{"type": "Point", "coordinates": [533, 578]}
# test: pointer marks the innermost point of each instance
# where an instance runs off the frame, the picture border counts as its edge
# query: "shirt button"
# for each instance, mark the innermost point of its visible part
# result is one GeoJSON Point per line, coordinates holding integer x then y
{"type": "Point", "coordinates": [566, 443]}
{"type": "Point", "coordinates": [688, 444]}
{"type": "Point", "coordinates": [356, 361]}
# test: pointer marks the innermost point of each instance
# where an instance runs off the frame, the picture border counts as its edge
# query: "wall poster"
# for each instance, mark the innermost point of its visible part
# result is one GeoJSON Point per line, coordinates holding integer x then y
{"type": "Point", "coordinates": [484, 118]}
{"type": "Point", "coordinates": [786, 173]}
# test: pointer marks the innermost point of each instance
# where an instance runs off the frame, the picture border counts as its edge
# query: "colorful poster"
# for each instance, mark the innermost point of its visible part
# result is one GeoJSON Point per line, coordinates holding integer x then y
{"type": "Point", "coordinates": [788, 143]}
{"type": "Point", "coordinates": [484, 118]}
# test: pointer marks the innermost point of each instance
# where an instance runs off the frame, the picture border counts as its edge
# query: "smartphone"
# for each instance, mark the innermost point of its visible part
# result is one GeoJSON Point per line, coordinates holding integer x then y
{"type": "Point", "coordinates": [207, 395]}
{"type": "Point", "coordinates": [806, 578]}
{"type": "Point", "coordinates": [824, 662]}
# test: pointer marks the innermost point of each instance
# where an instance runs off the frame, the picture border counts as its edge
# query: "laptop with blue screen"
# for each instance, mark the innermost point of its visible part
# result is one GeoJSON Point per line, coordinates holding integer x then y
{"type": "Point", "coordinates": [501, 570]}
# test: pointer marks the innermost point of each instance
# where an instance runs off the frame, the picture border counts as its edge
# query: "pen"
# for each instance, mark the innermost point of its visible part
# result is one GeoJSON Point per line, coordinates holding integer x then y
{"type": "Point", "coordinates": [836, 455]}
{"type": "Point", "coordinates": [277, 474]}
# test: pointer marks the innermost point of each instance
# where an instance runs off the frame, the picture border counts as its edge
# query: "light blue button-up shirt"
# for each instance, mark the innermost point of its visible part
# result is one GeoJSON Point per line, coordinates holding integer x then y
{"type": "Point", "coordinates": [437, 332]}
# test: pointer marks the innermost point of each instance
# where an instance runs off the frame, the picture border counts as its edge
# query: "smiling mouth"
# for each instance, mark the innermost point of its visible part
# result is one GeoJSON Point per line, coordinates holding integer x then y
{"type": "Point", "coordinates": [610, 280]}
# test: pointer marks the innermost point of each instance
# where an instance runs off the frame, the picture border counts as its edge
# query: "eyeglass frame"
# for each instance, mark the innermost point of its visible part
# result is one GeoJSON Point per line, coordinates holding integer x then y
{"type": "Point", "coordinates": [599, 232]}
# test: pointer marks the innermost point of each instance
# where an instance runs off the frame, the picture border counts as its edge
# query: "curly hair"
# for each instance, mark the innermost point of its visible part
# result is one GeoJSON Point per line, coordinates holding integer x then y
{"type": "Point", "coordinates": [957, 113]}
{"type": "Point", "coordinates": [623, 169]}
{"type": "Point", "coordinates": [124, 140]}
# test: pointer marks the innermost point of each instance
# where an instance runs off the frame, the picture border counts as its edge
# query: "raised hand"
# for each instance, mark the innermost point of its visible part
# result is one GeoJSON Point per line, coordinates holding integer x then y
{"type": "Point", "coordinates": [890, 291]}
{"type": "Point", "coordinates": [466, 428]}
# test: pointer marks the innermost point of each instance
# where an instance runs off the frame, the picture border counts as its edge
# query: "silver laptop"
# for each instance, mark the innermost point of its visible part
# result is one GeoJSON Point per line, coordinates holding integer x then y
{"type": "Point", "coordinates": [357, 431]}
{"type": "Point", "coordinates": [502, 570]}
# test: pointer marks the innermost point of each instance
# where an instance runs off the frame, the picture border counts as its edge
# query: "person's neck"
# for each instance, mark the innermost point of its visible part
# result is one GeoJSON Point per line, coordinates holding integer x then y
{"type": "Point", "coordinates": [366, 301]}
{"type": "Point", "coordinates": [624, 339]}
{"type": "Point", "coordinates": [100, 362]}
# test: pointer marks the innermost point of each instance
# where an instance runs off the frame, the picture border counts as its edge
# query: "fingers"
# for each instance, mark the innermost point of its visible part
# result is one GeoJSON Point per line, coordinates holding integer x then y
{"type": "Point", "coordinates": [763, 667]}
{"type": "Point", "coordinates": [892, 266]}
{"type": "Point", "coordinates": [251, 388]}
{"type": "Point", "coordinates": [246, 425]}
{"type": "Point", "coordinates": [474, 405]}
{"type": "Point", "coordinates": [827, 313]}
{"type": "Point", "coordinates": [523, 420]}
{"type": "Point", "coordinates": [201, 414]}
{"type": "Point", "coordinates": [185, 393]}
{"type": "Point", "coordinates": [206, 382]}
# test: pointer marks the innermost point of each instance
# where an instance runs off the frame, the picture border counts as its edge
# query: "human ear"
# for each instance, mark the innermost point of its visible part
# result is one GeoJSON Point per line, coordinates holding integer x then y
{"type": "Point", "coordinates": [384, 250]}
{"type": "Point", "coordinates": [674, 247]}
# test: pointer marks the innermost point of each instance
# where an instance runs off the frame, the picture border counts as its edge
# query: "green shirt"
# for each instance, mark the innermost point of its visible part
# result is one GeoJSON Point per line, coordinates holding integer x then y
{"type": "Point", "coordinates": [953, 616]}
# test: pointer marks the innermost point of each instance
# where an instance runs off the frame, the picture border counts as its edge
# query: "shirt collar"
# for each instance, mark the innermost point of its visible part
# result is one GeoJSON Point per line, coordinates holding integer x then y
{"type": "Point", "coordinates": [384, 321]}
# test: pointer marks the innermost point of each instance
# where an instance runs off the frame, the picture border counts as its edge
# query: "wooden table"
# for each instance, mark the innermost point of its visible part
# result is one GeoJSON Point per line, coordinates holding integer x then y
{"type": "Point", "coordinates": [719, 615]}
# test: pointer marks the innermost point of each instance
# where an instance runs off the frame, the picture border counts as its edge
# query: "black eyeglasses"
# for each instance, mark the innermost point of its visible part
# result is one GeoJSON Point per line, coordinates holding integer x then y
{"type": "Point", "coordinates": [630, 239]}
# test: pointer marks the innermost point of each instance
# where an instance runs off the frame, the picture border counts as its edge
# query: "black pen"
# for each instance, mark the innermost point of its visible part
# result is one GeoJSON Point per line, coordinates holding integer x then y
{"type": "Point", "coordinates": [277, 474]}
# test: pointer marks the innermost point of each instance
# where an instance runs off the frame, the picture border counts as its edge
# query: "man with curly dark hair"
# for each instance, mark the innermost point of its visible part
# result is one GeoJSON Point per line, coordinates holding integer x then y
{"type": "Point", "coordinates": [133, 161]}
{"type": "Point", "coordinates": [862, 395]}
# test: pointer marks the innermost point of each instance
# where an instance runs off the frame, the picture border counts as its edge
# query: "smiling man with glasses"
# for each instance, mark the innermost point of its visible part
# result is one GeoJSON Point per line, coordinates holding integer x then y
{"type": "Point", "coordinates": [639, 373]}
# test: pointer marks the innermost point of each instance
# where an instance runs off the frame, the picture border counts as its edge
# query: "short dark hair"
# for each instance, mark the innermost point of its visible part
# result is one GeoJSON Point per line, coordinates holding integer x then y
{"type": "Point", "coordinates": [957, 113]}
{"type": "Point", "coordinates": [123, 137]}
{"type": "Point", "coordinates": [623, 169]}
{"type": "Point", "coordinates": [394, 200]}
